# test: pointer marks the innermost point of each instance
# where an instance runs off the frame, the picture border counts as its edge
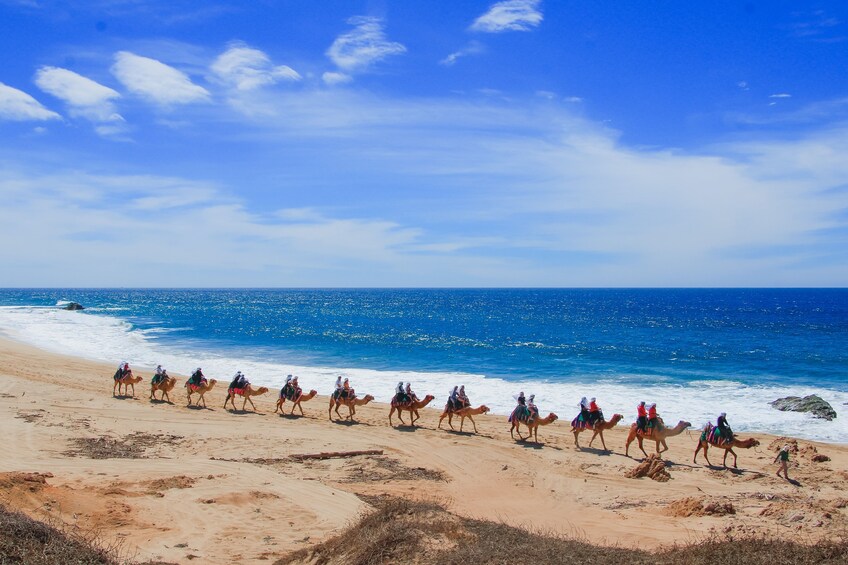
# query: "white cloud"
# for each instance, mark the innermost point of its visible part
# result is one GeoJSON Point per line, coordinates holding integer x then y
{"type": "Point", "coordinates": [782, 95]}
{"type": "Point", "coordinates": [246, 68]}
{"type": "Point", "coordinates": [336, 78]}
{"type": "Point", "coordinates": [509, 15]}
{"type": "Point", "coordinates": [156, 81]}
{"type": "Point", "coordinates": [365, 45]}
{"type": "Point", "coordinates": [18, 106]}
{"type": "Point", "coordinates": [84, 97]}
{"type": "Point", "coordinates": [473, 48]}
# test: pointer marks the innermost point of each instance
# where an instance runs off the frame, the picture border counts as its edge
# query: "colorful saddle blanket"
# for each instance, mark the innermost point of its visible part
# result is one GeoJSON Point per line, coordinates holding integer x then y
{"type": "Point", "coordinates": [237, 391]}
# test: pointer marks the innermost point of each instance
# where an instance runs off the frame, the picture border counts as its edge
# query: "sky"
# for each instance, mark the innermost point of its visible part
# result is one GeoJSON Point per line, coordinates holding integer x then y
{"type": "Point", "coordinates": [404, 143]}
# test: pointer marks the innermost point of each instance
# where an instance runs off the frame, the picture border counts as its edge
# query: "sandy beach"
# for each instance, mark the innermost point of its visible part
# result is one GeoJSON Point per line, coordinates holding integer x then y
{"type": "Point", "coordinates": [218, 486]}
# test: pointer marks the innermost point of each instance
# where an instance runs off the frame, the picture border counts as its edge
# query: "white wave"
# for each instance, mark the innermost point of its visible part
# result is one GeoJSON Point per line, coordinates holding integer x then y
{"type": "Point", "coordinates": [111, 339]}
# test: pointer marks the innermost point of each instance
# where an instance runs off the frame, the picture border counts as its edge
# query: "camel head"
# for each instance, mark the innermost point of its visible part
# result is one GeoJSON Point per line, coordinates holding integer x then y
{"type": "Point", "coordinates": [261, 390]}
{"type": "Point", "coordinates": [367, 398]}
{"type": "Point", "coordinates": [429, 398]}
{"type": "Point", "coordinates": [484, 409]}
{"type": "Point", "coordinates": [552, 417]}
{"type": "Point", "coordinates": [616, 418]}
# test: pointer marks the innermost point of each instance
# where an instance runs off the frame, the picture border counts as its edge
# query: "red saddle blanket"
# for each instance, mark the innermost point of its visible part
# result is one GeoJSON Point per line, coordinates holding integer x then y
{"type": "Point", "coordinates": [238, 391]}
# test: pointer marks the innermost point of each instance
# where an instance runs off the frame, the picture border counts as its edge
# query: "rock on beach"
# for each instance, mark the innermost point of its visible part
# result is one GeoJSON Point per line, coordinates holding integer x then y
{"type": "Point", "coordinates": [813, 404]}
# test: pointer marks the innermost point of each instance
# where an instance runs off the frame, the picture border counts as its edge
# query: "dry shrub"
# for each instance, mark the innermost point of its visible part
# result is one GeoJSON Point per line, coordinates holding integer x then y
{"type": "Point", "coordinates": [402, 531]}
{"type": "Point", "coordinates": [652, 467]}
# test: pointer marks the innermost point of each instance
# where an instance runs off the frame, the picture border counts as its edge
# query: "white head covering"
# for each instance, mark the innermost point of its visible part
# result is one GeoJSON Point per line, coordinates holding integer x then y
{"type": "Point", "coordinates": [654, 405]}
{"type": "Point", "coordinates": [288, 379]}
{"type": "Point", "coordinates": [594, 399]}
{"type": "Point", "coordinates": [785, 447]}
{"type": "Point", "coordinates": [583, 402]}
{"type": "Point", "coordinates": [532, 396]}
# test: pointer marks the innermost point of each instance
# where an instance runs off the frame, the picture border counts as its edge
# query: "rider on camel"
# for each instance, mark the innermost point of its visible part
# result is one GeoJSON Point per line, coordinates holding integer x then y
{"type": "Point", "coordinates": [346, 390]}
{"type": "Point", "coordinates": [123, 371]}
{"type": "Point", "coordinates": [287, 389]}
{"type": "Point", "coordinates": [463, 398]}
{"type": "Point", "coordinates": [520, 411]}
{"type": "Point", "coordinates": [339, 389]}
{"type": "Point", "coordinates": [532, 408]}
{"type": "Point", "coordinates": [410, 395]}
{"type": "Point", "coordinates": [641, 417]}
{"type": "Point", "coordinates": [653, 417]}
{"type": "Point", "coordinates": [196, 378]}
{"type": "Point", "coordinates": [400, 395]}
{"type": "Point", "coordinates": [160, 375]}
{"type": "Point", "coordinates": [724, 428]}
{"type": "Point", "coordinates": [595, 414]}
{"type": "Point", "coordinates": [453, 400]}
{"type": "Point", "coordinates": [584, 410]}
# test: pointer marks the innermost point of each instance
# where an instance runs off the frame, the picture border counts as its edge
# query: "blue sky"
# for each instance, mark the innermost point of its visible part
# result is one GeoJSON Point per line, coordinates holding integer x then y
{"type": "Point", "coordinates": [410, 143]}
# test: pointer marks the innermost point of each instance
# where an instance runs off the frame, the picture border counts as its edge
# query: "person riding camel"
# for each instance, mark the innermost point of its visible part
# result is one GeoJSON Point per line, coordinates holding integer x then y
{"type": "Point", "coordinates": [197, 377]}
{"type": "Point", "coordinates": [346, 390]}
{"type": "Point", "coordinates": [337, 392]}
{"type": "Point", "coordinates": [412, 397]}
{"type": "Point", "coordinates": [653, 417]}
{"type": "Point", "coordinates": [463, 398]}
{"type": "Point", "coordinates": [453, 400]}
{"type": "Point", "coordinates": [532, 409]}
{"type": "Point", "coordinates": [724, 428]}
{"type": "Point", "coordinates": [641, 417]}
{"type": "Point", "coordinates": [595, 414]}
{"type": "Point", "coordinates": [123, 371]}
{"type": "Point", "coordinates": [239, 382]}
{"type": "Point", "coordinates": [287, 390]}
{"type": "Point", "coordinates": [160, 375]}
{"type": "Point", "coordinates": [400, 396]}
{"type": "Point", "coordinates": [584, 410]}
{"type": "Point", "coordinates": [520, 411]}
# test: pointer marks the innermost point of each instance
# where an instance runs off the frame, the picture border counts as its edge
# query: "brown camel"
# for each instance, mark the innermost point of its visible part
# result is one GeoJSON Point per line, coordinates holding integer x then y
{"type": "Point", "coordinates": [412, 407]}
{"type": "Point", "coordinates": [463, 413]}
{"type": "Point", "coordinates": [245, 392]}
{"type": "Point", "coordinates": [296, 402]}
{"type": "Point", "coordinates": [598, 429]}
{"type": "Point", "coordinates": [166, 385]}
{"type": "Point", "coordinates": [658, 434]}
{"type": "Point", "coordinates": [128, 381]}
{"type": "Point", "coordinates": [351, 402]}
{"type": "Point", "coordinates": [201, 390]}
{"type": "Point", "coordinates": [533, 426]}
{"type": "Point", "coordinates": [704, 443]}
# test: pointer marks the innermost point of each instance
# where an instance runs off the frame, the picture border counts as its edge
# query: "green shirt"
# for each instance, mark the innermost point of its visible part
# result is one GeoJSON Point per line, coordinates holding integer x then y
{"type": "Point", "coordinates": [784, 456]}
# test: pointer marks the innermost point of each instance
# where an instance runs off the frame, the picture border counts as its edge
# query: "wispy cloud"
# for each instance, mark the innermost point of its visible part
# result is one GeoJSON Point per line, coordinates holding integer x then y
{"type": "Point", "coordinates": [246, 68]}
{"type": "Point", "coordinates": [473, 48]}
{"type": "Point", "coordinates": [84, 97]}
{"type": "Point", "coordinates": [155, 81]}
{"type": "Point", "coordinates": [333, 78]}
{"type": "Point", "coordinates": [18, 106]}
{"type": "Point", "coordinates": [817, 26]}
{"type": "Point", "coordinates": [363, 46]}
{"type": "Point", "coordinates": [509, 15]}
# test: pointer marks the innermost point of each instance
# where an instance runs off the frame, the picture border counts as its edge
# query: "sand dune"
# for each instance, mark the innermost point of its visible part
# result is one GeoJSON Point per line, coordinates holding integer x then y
{"type": "Point", "coordinates": [176, 483]}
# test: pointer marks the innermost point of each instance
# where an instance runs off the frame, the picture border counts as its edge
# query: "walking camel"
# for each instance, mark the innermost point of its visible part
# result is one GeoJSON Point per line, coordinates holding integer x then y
{"type": "Point", "coordinates": [166, 385]}
{"type": "Point", "coordinates": [532, 426]}
{"type": "Point", "coordinates": [658, 434]}
{"type": "Point", "coordinates": [298, 398]}
{"type": "Point", "coordinates": [463, 413]}
{"type": "Point", "coordinates": [413, 408]}
{"type": "Point", "coordinates": [704, 442]}
{"type": "Point", "coordinates": [128, 381]}
{"type": "Point", "coordinates": [200, 390]}
{"type": "Point", "coordinates": [598, 429]}
{"type": "Point", "coordinates": [246, 393]}
{"type": "Point", "coordinates": [351, 402]}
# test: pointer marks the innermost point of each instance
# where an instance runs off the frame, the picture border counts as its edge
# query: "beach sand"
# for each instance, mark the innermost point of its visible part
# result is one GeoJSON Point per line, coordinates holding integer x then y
{"type": "Point", "coordinates": [222, 487]}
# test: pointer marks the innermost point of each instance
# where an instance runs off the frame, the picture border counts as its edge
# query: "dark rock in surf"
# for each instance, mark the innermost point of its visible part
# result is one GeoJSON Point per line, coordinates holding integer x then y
{"type": "Point", "coordinates": [812, 404]}
{"type": "Point", "coordinates": [73, 306]}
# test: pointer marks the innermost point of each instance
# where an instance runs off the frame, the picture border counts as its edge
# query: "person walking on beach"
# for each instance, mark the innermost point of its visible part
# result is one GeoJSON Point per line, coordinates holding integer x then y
{"type": "Point", "coordinates": [783, 455]}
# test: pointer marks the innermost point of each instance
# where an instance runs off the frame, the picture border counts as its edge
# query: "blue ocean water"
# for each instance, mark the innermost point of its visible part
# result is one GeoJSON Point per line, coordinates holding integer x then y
{"type": "Point", "coordinates": [746, 340]}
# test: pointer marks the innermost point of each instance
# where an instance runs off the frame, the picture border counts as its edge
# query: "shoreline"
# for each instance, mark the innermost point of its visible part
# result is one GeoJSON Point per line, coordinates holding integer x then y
{"type": "Point", "coordinates": [207, 477]}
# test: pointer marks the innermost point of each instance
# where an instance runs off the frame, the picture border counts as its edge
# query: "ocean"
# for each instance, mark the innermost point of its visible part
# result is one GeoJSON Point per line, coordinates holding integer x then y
{"type": "Point", "coordinates": [695, 352]}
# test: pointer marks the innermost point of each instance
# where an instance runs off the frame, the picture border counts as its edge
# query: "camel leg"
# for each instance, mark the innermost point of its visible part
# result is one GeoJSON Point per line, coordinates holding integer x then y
{"type": "Point", "coordinates": [203, 399]}
{"type": "Point", "coordinates": [473, 423]}
{"type": "Point", "coordinates": [166, 395]}
{"type": "Point", "coordinates": [639, 439]}
{"type": "Point", "coordinates": [413, 415]}
{"type": "Point", "coordinates": [576, 433]}
{"type": "Point", "coordinates": [697, 449]}
{"type": "Point", "coordinates": [351, 410]}
{"type": "Point", "coordinates": [330, 410]}
{"type": "Point", "coordinates": [279, 405]}
{"type": "Point", "coordinates": [114, 386]}
{"type": "Point", "coordinates": [337, 411]}
{"type": "Point", "coordinates": [298, 406]}
{"type": "Point", "coordinates": [663, 444]}
{"type": "Point", "coordinates": [442, 417]}
{"type": "Point", "coordinates": [734, 458]}
{"type": "Point", "coordinates": [391, 411]}
{"type": "Point", "coordinates": [188, 398]}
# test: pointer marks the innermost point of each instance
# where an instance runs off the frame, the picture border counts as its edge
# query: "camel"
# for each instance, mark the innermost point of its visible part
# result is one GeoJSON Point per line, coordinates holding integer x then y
{"type": "Point", "coordinates": [704, 443]}
{"type": "Point", "coordinates": [166, 385]}
{"type": "Point", "coordinates": [200, 389]}
{"type": "Point", "coordinates": [533, 426]}
{"type": "Point", "coordinates": [296, 403]}
{"type": "Point", "coordinates": [598, 429]}
{"type": "Point", "coordinates": [413, 408]}
{"type": "Point", "coordinates": [351, 402]}
{"type": "Point", "coordinates": [129, 380]}
{"type": "Point", "coordinates": [463, 413]}
{"type": "Point", "coordinates": [659, 435]}
{"type": "Point", "coordinates": [246, 392]}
